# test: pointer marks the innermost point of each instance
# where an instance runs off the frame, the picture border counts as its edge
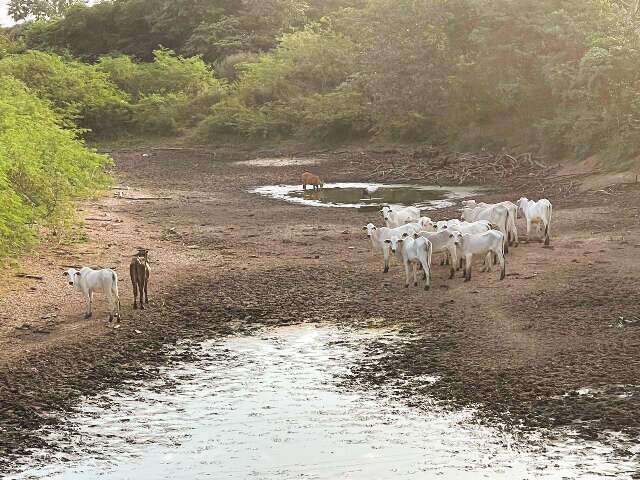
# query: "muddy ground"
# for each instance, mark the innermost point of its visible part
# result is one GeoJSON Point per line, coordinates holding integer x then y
{"type": "Point", "coordinates": [225, 261]}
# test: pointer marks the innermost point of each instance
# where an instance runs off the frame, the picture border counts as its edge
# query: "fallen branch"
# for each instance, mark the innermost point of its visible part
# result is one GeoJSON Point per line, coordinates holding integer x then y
{"type": "Point", "coordinates": [28, 275]}
{"type": "Point", "coordinates": [147, 198]}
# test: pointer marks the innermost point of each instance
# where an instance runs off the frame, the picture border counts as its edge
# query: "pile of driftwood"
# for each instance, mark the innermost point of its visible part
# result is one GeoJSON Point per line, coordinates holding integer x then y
{"type": "Point", "coordinates": [447, 168]}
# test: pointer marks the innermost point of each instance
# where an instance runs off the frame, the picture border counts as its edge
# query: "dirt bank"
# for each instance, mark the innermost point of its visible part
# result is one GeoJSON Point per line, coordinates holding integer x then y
{"type": "Point", "coordinates": [224, 260]}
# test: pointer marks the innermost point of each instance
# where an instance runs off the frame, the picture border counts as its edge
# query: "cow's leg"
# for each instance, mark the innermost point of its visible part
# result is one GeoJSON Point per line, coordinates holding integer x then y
{"type": "Point", "coordinates": [415, 274]}
{"type": "Point", "coordinates": [134, 282]}
{"type": "Point", "coordinates": [427, 277]}
{"type": "Point", "coordinates": [467, 268]}
{"type": "Point", "coordinates": [503, 265]}
{"type": "Point", "coordinates": [109, 295]}
{"type": "Point", "coordinates": [528, 230]}
{"type": "Point", "coordinates": [406, 271]}
{"type": "Point", "coordinates": [547, 240]}
{"type": "Point", "coordinates": [452, 265]}
{"type": "Point", "coordinates": [87, 310]}
{"type": "Point", "coordinates": [385, 251]}
{"type": "Point", "coordinates": [146, 295]}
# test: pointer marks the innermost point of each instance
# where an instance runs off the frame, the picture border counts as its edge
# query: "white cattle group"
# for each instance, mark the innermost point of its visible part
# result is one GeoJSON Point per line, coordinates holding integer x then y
{"type": "Point", "coordinates": [485, 231]}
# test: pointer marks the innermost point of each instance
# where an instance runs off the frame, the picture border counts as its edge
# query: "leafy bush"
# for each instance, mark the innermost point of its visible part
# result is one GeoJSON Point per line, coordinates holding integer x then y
{"type": "Point", "coordinates": [43, 167]}
{"type": "Point", "coordinates": [294, 89]}
{"type": "Point", "coordinates": [170, 94]}
{"type": "Point", "coordinates": [81, 95]}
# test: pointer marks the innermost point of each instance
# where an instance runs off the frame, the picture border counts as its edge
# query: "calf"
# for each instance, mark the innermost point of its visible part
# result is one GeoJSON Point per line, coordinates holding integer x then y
{"type": "Point", "coordinates": [483, 244]}
{"type": "Point", "coordinates": [415, 252]}
{"type": "Point", "coordinates": [539, 213]}
{"type": "Point", "coordinates": [443, 242]}
{"type": "Point", "coordinates": [139, 271]}
{"type": "Point", "coordinates": [397, 216]}
{"type": "Point", "coordinates": [497, 215]}
{"type": "Point", "coordinates": [311, 179]}
{"type": "Point", "coordinates": [513, 215]}
{"type": "Point", "coordinates": [89, 281]}
{"type": "Point", "coordinates": [378, 235]}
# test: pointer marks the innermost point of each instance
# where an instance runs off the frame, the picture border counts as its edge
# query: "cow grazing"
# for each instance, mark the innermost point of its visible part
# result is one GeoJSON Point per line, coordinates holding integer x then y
{"type": "Point", "coordinates": [89, 281]}
{"type": "Point", "coordinates": [539, 213]}
{"type": "Point", "coordinates": [311, 179]}
{"type": "Point", "coordinates": [139, 272]}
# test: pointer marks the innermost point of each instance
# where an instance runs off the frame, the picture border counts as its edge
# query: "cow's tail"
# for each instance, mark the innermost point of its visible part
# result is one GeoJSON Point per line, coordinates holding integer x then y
{"type": "Point", "coordinates": [114, 291]}
{"type": "Point", "coordinates": [547, 227]}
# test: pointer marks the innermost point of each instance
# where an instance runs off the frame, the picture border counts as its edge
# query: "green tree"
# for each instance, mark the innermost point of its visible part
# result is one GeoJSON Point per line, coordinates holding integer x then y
{"type": "Point", "coordinates": [39, 9]}
{"type": "Point", "coordinates": [80, 94]}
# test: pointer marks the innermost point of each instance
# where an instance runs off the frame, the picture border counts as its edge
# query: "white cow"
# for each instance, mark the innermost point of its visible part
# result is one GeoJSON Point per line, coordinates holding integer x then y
{"type": "Point", "coordinates": [415, 252]}
{"type": "Point", "coordinates": [497, 215]}
{"type": "Point", "coordinates": [89, 281]}
{"type": "Point", "coordinates": [539, 213]}
{"type": "Point", "coordinates": [443, 242]}
{"type": "Point", "coordinates": [482, 244]}
{"type": "Point", "coordinates": [377, 236]}
{"type": "Point", "coordinates": [479, 226]}
{"type": "Point", "coordinates": [396, 216]}
{"type": "Point", "coordinates": [513, 215]}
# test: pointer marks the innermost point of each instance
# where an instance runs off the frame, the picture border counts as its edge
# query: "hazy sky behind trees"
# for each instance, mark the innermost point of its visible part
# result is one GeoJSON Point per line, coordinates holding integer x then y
{"type": "Point", "coordinates": [5, 19]}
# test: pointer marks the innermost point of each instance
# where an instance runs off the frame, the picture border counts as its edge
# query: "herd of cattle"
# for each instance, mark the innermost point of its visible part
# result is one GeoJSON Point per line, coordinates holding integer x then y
{"type": "Point", "coordinates": [484, 230]}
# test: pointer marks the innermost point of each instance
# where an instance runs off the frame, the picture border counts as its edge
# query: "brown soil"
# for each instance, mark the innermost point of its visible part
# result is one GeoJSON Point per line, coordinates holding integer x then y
{"type": "Point", "coordinates": [224, 261]}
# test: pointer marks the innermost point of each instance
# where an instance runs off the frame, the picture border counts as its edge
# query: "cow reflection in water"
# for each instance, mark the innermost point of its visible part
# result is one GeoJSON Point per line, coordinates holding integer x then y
{"type": "Point", "coordinates": [313, 195]}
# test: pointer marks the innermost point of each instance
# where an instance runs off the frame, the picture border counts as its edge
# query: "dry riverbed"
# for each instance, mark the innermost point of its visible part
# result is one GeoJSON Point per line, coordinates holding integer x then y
{"type": "Point", "coordinates": [557, 344]}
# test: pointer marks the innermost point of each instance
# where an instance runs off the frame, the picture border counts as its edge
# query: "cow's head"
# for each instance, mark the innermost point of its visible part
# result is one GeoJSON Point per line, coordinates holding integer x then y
{"type": "Point", "coordinates": [370, 228]}
{"type": "Point", "coordinates": [455, 237]}
{"type": "Point", "coordinates": [72, 275]}
{"type": "Point", "coordinates": [396, 241]}
{"type": "Point", "coordinates": [385, 211]}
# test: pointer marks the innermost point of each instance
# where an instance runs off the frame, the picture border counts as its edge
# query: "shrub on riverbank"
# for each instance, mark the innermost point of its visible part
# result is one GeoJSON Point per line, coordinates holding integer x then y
{"type": "Point", "coordinates": [43, 168]}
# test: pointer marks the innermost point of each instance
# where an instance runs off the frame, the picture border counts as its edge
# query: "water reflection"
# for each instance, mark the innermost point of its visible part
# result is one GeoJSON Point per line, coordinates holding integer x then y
{"type": "Point", "coordinates": [269, 407]}
{"type": "Point", "coordinates": [355, 195]}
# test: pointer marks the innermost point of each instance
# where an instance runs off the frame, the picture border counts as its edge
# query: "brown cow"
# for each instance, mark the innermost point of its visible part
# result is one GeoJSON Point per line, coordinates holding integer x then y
{"type": "Point", "coordinates": [139, 271]}
{"type": "Point", "coordinates": [311, 179]}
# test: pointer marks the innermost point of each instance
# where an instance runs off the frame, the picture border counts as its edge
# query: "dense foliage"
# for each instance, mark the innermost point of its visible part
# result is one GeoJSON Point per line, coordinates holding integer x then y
{"type": "Point", "coordinates": [556, 76]}
{"type": "Point", "coordinates": [43, 167]}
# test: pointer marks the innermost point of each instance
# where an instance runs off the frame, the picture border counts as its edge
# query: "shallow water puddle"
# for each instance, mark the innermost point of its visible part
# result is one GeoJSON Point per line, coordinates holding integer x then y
{"type": "Point", "coordinates": [355, 195]}
{"type": "Point", "coordinates": [270, 407]}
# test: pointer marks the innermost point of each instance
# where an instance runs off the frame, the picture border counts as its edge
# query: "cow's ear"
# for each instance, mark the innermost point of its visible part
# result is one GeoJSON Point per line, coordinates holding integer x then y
{"type": "Point", "coordinates": [400, 240]}
{"type": "Point", "coordinates": [77, 273]}
{"type": "Point", "coordinates": [405, 234]}
{"type": "Point", "coordinates": [364, 228]}
{"type": "Point", "coordinates": [65, 274]}
{"type": "Point", "coordinates": [387, 241]}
